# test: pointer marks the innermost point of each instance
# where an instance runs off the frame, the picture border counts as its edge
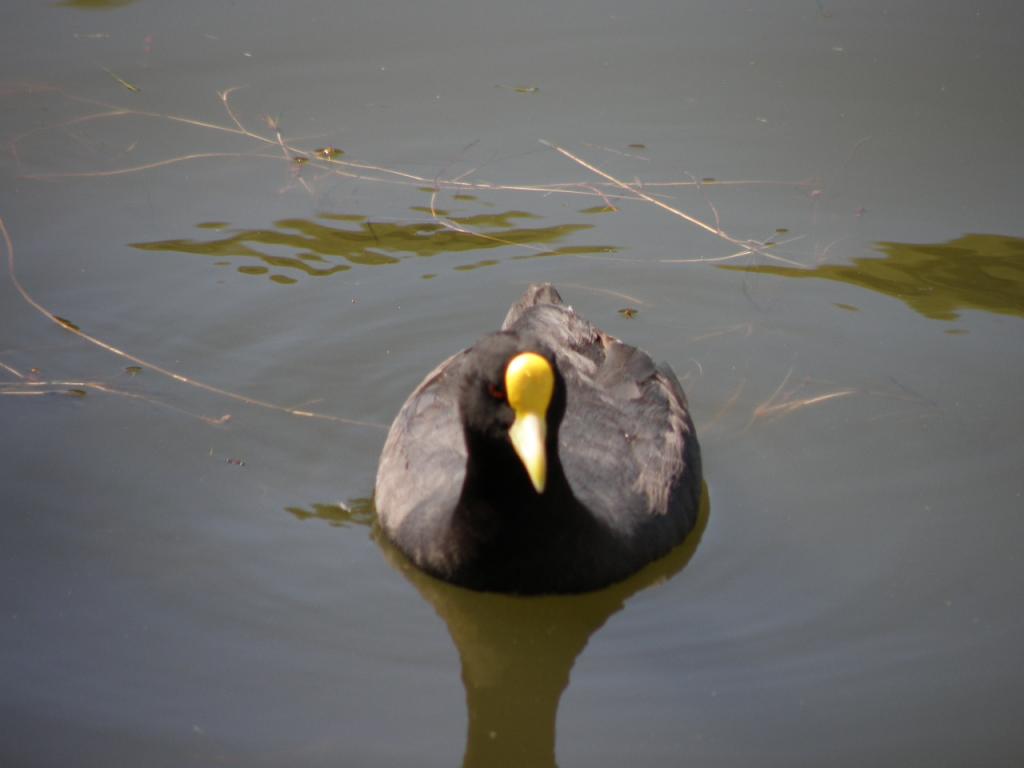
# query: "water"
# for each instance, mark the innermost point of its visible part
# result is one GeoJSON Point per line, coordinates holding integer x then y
{"type": "Point", "coordinates": [188, 571]}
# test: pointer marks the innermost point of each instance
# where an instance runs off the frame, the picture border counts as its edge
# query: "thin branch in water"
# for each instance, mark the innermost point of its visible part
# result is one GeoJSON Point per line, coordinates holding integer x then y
{"type": "Point", "coordinates": [727, 406]}
{"type": "Point", "coordinates": [346, 168]}
{"type": "Point", "coordinates": [456, 227]}
{"type": "Point", "coordinates": [138, 168]}
{"type": "Point", "coordinates": [739, 254]}
{"type": "Point", "coordinates": [608, 292]}
{"type": "Point", "coordinates": [78, 389]}
{"type": "Point", "coordinates": [225, 95]}
{"type": "Point", "coordinates": [287, 153]}
{"type": "Point", "coordinates": [787, 404]}
{"type": "Point", "coordinates": [619, 152]}
{"type": "Point", "coordinates": [71, 328]}
{"type": "Point", "coordinates": [120, 80]}
{"type": "Point", "coordinates": [112, 111]}
{"type": "Point", "coordinates": [730, 183]}
{"type": "Point", "coordinates": [642, 195]}
{"type": "Point", "coordinates": [11, 370]}
{"type": "Point", "coordinates": [746, 244]}
{"type": "Point", "coordinates": [746, 329]}
{"type": "Point", "coordinates": [607, 202]}
{"type": "Point", "coordinates": [780, 409]}
{"type": "Point", "coordinates": [704, 194]}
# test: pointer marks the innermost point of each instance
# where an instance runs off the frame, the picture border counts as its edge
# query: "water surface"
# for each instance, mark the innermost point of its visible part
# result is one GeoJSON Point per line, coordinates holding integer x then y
{"type": "Point", "coordinates": [239, 238]}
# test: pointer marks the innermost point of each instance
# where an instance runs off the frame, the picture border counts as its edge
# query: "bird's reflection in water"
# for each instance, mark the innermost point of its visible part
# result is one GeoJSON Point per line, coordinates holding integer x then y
{"type": "Point", "coordinates": [517, 652]}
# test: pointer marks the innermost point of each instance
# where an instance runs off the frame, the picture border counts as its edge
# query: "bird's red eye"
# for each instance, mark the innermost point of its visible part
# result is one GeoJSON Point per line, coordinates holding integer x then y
{"type": "Point", "coordinates": [496, 392]}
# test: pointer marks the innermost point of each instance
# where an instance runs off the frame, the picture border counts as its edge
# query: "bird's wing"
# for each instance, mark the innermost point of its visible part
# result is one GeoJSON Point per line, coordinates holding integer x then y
{"type": "Point", "coordinates": [426, 433]}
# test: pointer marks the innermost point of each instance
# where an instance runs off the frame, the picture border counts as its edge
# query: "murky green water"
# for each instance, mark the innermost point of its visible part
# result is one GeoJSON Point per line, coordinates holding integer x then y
{"type": "Point", "coordinates": [189, 573]}
{"type": "Point", "coordinates": [939, 280]}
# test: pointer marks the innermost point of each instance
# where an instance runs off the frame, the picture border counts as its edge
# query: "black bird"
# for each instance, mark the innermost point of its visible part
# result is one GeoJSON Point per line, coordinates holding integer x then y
{"type": "Point", "coordinates": [548, 457]}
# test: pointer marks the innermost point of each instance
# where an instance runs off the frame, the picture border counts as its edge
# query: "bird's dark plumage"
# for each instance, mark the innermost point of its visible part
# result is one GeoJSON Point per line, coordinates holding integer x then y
{"type": "Point", "coordinates": [623, 473]}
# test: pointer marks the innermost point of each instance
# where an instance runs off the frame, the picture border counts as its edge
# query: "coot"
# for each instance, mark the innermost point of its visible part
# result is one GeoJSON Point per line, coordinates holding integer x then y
{"type": "Point", "coordinates": [549, 457]}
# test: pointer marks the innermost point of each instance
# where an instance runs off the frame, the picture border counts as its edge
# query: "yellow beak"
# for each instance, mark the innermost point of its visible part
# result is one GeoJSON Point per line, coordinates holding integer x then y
{"type": "Point", "coordinates": [530, 383]}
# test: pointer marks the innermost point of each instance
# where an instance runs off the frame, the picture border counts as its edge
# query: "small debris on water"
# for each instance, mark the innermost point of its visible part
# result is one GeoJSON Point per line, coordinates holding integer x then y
{"type": "Point", "coordinates": [328, 153]}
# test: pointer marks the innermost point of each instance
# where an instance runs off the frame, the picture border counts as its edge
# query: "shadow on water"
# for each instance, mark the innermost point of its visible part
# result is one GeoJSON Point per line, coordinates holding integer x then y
{"type": "Point", "coordinates": [335, 242]}
{"type": "Point", "coordinates": [517, 653]}
{"type": "Point", "coordinates": [977, 271]}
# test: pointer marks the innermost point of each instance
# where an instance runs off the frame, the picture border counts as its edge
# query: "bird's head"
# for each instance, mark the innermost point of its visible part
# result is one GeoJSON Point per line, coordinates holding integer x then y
{"type": "Point", "coordinates": [513, 396]}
